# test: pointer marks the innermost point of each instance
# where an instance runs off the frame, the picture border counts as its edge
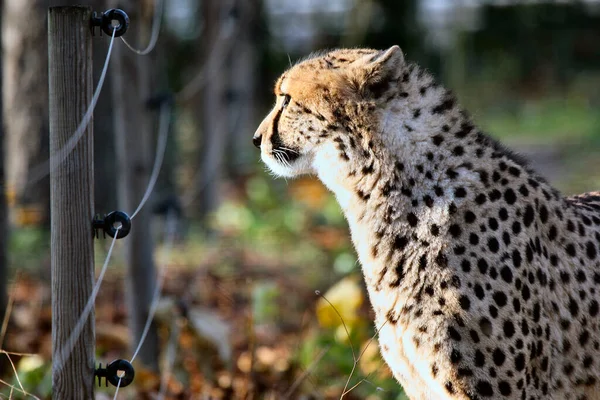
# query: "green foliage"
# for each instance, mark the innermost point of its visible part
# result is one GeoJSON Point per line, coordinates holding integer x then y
{"type": "Point", "coordinates": [269, 218]}
{"type": "Point", "coordinates": [28, 248]}
{"type": "Point", "coordinates": [265, 305]}
{"type": "Point", "coordinates": [548, 117]}
{"type": "Point", "coordinates": [553, 120]}
{"type": "Point", "coordinates": [336, 365]}
{"type": "Point", "coordinates": [33, 376]}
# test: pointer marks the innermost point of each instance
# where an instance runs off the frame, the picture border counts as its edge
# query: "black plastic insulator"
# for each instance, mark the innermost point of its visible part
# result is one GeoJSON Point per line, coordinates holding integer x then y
{"type": "Point", "coordinates": [111, 373]}
{"type": "Point", "coordinates": [116, 223]}
{"type": "Point", "coordinates": [111, 222]}
{"type": "Point", "coordinates": [105, 21]}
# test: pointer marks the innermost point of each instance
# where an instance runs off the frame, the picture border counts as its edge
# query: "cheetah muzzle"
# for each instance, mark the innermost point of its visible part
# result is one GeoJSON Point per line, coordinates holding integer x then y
{"type": "Point", "coordinates": [482, 276]}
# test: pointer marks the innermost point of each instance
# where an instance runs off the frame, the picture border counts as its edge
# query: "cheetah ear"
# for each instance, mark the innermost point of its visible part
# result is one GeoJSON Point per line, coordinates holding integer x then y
{"type": "Point", "coordinates": [375, 72]}
{"type": "Point", "coordinates": [389, 60]}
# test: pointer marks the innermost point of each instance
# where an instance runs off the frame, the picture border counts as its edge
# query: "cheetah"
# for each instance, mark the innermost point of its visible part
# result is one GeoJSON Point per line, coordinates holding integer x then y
{"type": "Point", "coordinates": [483, 277]}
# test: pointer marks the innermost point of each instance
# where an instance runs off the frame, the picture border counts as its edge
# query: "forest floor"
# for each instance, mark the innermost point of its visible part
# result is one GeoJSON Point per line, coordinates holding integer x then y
{"type": "Point", "coordinates": [234, 326]}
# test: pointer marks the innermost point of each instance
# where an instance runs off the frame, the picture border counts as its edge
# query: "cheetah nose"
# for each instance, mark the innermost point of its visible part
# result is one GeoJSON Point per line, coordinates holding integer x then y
{"type": "Point", "coordinates": [256, 139]}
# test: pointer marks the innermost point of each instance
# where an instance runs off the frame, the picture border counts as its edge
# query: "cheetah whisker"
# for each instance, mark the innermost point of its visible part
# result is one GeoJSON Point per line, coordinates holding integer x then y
{"type": "Point", "coordinates": [281, 156]}
{"type": "Point", "coordinates": [290, 150]}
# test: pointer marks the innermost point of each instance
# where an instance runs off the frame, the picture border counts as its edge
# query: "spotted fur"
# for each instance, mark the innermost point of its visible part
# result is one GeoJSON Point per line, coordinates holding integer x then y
{"type": "Point", "coordinates": [483, 277]}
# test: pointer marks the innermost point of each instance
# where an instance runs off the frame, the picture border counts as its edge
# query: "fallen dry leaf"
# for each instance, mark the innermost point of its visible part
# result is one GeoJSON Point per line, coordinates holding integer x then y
{"type": "Point", "coordinates": [347, 297]}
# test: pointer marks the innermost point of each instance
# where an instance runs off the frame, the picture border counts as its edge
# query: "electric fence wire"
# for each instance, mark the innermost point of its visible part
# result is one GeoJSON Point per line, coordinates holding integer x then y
{"type": "Point", "coordinates": [44, 169]}
{"type": "Point", "coordinates": [159, 7]}
{"type": "Point", "coordinates": [170, 226]}
{"type": "Point", "coordinates": [227, 32]}
{"type": "Point", "coordinates": [161, 145]}
{"type": "Point", "coordinates": [117, 390]}
{"type": "Point", "coordinates": [67, 348]}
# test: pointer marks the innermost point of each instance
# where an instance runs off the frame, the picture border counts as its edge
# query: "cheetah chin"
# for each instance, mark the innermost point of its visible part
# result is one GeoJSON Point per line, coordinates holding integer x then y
{"type": "Point", "coordinates": [484, 279]}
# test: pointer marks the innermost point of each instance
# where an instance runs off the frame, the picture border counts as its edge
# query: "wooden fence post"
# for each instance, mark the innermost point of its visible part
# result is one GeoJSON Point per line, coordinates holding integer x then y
{"type": "Point", "coordinates": [3, 205]}
{"type": "Point", "coordinates": [71, 198]}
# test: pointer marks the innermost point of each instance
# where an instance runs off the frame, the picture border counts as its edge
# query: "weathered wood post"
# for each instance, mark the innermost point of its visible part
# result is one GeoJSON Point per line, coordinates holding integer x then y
{"type": "Point", "coordinates": [71, 198]}
{"type": "Point", "coordinates": [3, 206]}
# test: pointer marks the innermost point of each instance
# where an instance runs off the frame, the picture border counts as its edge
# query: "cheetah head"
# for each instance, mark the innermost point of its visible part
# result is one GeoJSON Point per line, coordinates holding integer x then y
{"type": "Point", "coordinates": [339, 93]}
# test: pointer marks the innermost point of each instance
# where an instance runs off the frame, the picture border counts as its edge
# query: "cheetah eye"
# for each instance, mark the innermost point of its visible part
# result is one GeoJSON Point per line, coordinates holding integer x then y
{"type": "Point", "coordinates": [286, 100]}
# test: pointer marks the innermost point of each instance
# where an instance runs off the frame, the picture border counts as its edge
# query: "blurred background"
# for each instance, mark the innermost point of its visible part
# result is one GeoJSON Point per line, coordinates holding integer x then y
{"type": "Point", "coordinates": [263, 296]}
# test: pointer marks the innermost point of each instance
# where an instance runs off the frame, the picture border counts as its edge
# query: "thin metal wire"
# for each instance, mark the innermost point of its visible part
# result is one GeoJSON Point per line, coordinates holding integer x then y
{"type": "Point", "coordinates": [170, 238]}
{"type": "Point", "coordinates": [159, 8]}
{"type": "Point", "coordinates": [161, 145]}
{"type": "Point", "coordinates": [42, 170]}
{"type": "Point", "coordinates": [117, 391]}
{"type": "Point", "coordinates": [65, 351]}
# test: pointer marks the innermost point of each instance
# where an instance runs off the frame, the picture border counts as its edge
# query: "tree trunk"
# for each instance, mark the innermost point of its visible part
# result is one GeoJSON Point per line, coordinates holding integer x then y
{"type": "Point", "coordinates": [26, 102]}
{"type": "Point", "coordinates": [242, 96]}
{"type": "Point", "coordinates": [214, 116]}
{"type": "Point", "coordinates": [133, 129]}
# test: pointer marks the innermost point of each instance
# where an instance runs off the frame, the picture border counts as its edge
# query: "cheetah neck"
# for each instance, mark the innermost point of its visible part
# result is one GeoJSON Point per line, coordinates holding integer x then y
{"type": "Point", "coordinates": [401, 190]}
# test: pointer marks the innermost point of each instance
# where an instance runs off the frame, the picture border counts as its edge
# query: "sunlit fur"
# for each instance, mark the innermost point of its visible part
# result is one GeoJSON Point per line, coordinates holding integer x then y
{"type": "Point", "coordinates": [483, 278]}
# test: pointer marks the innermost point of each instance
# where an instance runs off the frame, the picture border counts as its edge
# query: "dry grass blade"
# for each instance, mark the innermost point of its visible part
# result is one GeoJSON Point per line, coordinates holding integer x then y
{"type": "Point", "coordinates": [14, 388]}
{"type": "Point", "coordinates": [318, 293]}
{"type": "Point", "coordinates": [13, 353]}
{"type": "Point", "coordinates": [365, 379]}
{"type": "Point", "coordinates": [354, 358]}
{"type": "Point", "coordinates": [346, 390]}
{"type": "Point", "coordinates": [16, 373]}
{"type": "Point", "coordinates": [306, 373]}
{"type": "Point", "coordinates": [8, 311]}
